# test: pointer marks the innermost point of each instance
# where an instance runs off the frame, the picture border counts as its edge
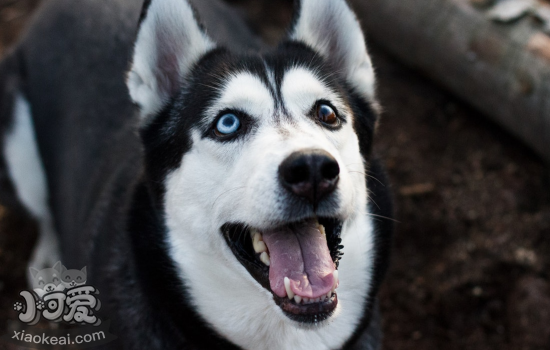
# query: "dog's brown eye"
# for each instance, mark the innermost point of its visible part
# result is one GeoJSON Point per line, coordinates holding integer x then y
{"type": "Point", "coordinates": [326, 114]}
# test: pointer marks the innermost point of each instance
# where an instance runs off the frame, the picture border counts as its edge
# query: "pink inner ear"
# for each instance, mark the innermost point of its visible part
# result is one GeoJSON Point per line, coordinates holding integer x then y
{"type": "Point", "coordinates": [167, 68]}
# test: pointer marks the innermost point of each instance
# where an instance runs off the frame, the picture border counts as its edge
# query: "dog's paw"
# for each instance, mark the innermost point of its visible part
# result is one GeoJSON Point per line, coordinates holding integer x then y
{"type": "Point", "coordinates": [18, 306]}
{"type": "Point", "coordinates": [40, 305]}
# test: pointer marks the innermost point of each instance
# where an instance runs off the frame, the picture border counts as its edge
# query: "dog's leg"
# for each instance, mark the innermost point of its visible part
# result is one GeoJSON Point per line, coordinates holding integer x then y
{"type": "Point", "coordinates": [28, 177]}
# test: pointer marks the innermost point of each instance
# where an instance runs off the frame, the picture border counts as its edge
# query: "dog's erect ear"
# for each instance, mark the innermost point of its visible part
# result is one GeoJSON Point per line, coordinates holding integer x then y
{"type": "Point", "coordinates": [169, 42]}
{"type": "Point", "coordinates": [57, 266]}
{"type": "Point", "coordinates": [331, 29]}
{"type": "Point", "coordinates": [33, 272]}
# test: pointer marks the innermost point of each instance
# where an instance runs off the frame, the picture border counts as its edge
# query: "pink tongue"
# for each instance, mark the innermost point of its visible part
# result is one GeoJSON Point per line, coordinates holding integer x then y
{"type": "Point", "coordinates": [300, 253]}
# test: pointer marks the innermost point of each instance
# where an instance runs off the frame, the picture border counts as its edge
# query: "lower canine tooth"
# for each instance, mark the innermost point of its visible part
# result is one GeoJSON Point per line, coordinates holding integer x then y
{"type": "Point", "coordinates": [264, 257]}
{"type": "Point", "coordinates": [329, 294]}
{"type": "Point", "coordinates": [336, 280]}
{"type": "Point", "coordinates": [297, 299]}
{"type": "Point", "coordinates": [289, 292]}
{"type": "Point", "coordinates": [322, 229]}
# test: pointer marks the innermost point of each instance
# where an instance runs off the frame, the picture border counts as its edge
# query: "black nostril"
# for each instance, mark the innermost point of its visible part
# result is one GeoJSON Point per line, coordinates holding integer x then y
{"type": "Point", "coordinates": [311, 174]}
{"type": "Point", "coordinates": [330, 169]}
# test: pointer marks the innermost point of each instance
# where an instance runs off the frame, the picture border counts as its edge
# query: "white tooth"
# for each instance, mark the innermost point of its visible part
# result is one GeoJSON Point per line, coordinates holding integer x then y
{"type": "Point", "coordinates": [336, 280]}
{"type": "Point", "coordinates": [306, 300]}
{"type": "Point", "coordinates": [257, 236]}
{"type": "Point", "coordinates": [297, 299]}
{"type": "Point", "coordinates": [254, 232]}
{"type": "Point", "coordinates": [289, 292]}
{"type": "Point", "coordinates": [259, 245]}
{"type": "Point", "coordinates": [264, 257]}
{"type": "Point", "coordinates": [322, 229]}
{"type": "Point", "coordinates": [329, 294]}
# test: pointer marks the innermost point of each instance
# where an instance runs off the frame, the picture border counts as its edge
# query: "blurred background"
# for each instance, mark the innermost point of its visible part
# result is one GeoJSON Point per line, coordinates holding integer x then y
{"type": "Point", "coordinates": [465, 136]}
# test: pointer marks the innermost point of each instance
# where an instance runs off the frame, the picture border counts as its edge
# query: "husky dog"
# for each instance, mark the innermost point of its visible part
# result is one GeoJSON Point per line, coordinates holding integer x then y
{"type": "Point", "coordinates": [222, 194]}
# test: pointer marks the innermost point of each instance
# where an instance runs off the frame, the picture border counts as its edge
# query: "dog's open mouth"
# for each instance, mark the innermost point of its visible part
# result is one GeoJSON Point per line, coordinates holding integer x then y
{"type": "Point", "coordinates": [297, 262]}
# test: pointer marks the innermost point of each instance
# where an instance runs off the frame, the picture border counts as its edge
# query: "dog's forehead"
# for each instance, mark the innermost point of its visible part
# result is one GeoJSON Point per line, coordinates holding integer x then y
{"type": "Point", "coordinates": [246, 91]}
{"type": "Point", "coordinates": [301, 88]}
{"type": "Point", "coordinates": [261, 94]}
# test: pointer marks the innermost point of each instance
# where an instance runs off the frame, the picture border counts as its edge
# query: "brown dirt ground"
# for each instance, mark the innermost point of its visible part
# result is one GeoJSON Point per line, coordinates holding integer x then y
{"type": "Point", "coordinates": [472, 248]}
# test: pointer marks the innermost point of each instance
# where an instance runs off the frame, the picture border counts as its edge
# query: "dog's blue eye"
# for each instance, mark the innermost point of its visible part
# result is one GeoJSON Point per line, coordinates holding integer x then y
{"type": "Point", "coordinates": [228, 124]}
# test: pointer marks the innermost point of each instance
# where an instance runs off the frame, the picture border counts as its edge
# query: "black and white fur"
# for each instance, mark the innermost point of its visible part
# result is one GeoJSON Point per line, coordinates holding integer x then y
{"type": "Point", "coordinates": [143, 210]}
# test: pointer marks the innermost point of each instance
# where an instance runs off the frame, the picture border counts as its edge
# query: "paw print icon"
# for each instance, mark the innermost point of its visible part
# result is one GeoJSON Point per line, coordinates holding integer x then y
{"type": "Point", "coordinates": [40, 305]}
{"type": "Point", "coordinates": [18, 306]}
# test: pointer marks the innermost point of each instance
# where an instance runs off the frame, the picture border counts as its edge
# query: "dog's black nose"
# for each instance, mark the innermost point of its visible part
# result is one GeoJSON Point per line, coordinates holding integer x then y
{"type": "Point", "coordinates": [311, 174]}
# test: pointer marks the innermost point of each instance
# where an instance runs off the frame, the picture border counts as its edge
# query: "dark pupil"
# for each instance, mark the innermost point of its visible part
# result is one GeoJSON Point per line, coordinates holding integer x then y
{"type": "Point", "coordinates": [327, 115]}
{"type": "Point", "coordinates": [79, 278]}
{"type": "Point", "coordinates": [229, 121]}
{"type": "Point", "coordinates": [67, 278]}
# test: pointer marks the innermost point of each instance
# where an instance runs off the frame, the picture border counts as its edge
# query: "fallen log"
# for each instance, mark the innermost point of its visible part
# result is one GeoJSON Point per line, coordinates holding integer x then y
{"type": "Point", "coordinates": [502, 69]}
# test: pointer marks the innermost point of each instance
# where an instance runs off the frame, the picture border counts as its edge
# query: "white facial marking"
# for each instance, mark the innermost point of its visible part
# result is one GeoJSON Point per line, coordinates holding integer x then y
{"type": "Point", "coordinates": [301, 89]}
{"type": "Point", "coordinates": [244, 92]}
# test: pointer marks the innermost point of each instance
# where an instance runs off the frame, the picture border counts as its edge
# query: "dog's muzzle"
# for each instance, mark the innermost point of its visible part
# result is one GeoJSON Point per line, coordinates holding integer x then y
{"type": "Point", "coordinates": [297, 260]}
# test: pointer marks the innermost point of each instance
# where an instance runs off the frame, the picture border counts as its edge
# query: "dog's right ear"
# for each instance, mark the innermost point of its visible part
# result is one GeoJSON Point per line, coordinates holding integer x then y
{"type": "Point", "coordinates": [169, 42]}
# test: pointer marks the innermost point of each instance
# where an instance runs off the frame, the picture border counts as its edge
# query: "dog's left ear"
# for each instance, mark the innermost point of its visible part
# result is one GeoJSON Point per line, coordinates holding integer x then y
{"type": "Point", "coordinates": [169, 41]}
{"type": "Point", "coordinates": [58, 266]}
{"type": "Point", "coordinates": [331, 28]}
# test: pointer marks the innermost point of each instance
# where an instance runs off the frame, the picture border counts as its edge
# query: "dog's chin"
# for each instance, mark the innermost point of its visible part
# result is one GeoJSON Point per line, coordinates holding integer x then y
{"type": "Point", "coordinates": [248, 246]}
